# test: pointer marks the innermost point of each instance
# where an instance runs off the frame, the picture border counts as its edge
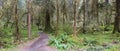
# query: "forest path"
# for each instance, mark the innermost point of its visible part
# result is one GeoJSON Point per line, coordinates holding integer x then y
{"type": "Point", "coordinates": [38, 44]}
{"type": "Point", "coordinates": [41, 44]}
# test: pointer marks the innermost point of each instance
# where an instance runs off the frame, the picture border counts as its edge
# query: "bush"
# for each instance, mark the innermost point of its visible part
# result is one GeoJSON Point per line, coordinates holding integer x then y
{"type": "Point", "coordinates": [61, 42]}
{"type": "Point", "coordinates": [6, 38]}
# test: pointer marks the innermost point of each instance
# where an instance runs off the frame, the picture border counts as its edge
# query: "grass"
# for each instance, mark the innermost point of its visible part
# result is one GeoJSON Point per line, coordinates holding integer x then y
{"type": "Point", "coordinates": [85, 40]}
{"type": "Point", "coordinates": [65, 41]}
{"type": "Point", "coordinates": [82, 41]}
{"type": "Point", "coordinates": [7, 37]}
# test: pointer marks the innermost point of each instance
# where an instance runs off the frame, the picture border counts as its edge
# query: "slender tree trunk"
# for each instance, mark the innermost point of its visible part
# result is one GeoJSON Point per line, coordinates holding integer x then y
{"type": "Point", "coordinates": [63, 19]}
{"type": "Point", "coordinates": [97, 13]}
{"type": "Point", "coordinates": [94, 13]}
{"type": "Point", "coordinates": [117, 18]}
{"type": "Point", "coordinates": [85, 14]}
{"type": "Point", "coordinates": [64, 10]}
{"type": "Point", "coordinates": [107, 18]}
{"type": "Point", "coordinates": [29, 18]}
{"type": "Point", "coordinates": [57, 26]}
{"type": "Point", "coordinates": [17, 33]}
{"type": "Point", "coordinates": [75, 16]}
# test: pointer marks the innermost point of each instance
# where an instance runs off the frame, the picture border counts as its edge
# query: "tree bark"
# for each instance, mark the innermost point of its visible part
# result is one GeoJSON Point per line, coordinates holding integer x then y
{"type": "Point", "coordinates": [107, 18]}
{"type": "Point", "coordinates": [75, 16]}
{"type": "Point", "coordinates": [117, 18]}
{"type": "Point", "coordinates": [17, 33]}
{"type": "Point", "coordinates": [94, 13]}
{"type": "Point", "coordinates": [64, 11]}
{"type": "Point", "coordinates": [57, 26]}
{"type": "Point", "coordinates": [85, 14]}
{"type": "Point", "coordinates": [29, 18]}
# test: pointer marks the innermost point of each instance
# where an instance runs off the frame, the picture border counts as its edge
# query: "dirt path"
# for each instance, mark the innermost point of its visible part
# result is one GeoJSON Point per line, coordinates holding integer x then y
{"type": "Point", "coordinates": [39, 44]}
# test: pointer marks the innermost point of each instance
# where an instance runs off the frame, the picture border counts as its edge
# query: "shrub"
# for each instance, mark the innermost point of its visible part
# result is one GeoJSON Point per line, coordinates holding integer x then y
{"type": "Point", "coordinates": [61, 42]}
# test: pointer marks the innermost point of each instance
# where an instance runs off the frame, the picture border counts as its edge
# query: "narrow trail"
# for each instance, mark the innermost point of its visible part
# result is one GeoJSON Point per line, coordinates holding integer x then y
{"type": "Point", "coordinates": [39, 44]}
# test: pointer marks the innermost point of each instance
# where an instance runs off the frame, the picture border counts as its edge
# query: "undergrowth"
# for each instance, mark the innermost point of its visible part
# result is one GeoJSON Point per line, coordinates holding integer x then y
{"type": "Point", "coordinates": [92, 42]}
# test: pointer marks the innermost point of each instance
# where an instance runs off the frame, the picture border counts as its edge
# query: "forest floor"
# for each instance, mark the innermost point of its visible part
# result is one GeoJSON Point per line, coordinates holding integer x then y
{"type": "Point", "coordinates": [21, 46]}
{"type": "Point", "coordinates": [37, 44]}
{"type": "Point", "coordinates": [92, 42]}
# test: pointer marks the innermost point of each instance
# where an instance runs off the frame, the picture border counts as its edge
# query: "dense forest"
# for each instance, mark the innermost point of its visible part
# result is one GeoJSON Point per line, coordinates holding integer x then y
{"type": "Point", "coordinates": [59, 25]}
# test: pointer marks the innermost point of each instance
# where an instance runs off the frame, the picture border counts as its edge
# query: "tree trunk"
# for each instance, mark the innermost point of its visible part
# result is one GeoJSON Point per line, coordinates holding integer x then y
{"type": "Point", "coordinates": [107, 18]}
{"type": "Point", "coordinates": [64, 10]}
{"type": "Point", "coordinates": [94, 13]}
{"type": "Point", "coordinates": [17, 33]}
{"type": "Point", "coordinates": [57, 26]}
{"type": "Point", "coordinates": [75, 16]}
{"type": "Point", "coordinates": [117, 18]}
{"type": "Point", "coordinates": [83, 31]}
{"type": "Point", "coordinates": [85, 14]}
{"type": "Point", "coordinates": [29, 18]}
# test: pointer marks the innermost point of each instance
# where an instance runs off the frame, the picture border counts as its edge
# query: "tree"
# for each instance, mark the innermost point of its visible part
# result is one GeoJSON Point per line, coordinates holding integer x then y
{"type": "Point", "coordinates": [117, 18]}
{"type": "Point", "coordinates": [85, 14]}
{"type": "Point", "coordinates": [16, 21]}
{"type": "Point", "coordinates": [94, 12]}
{"type": "Point", "coordinates": [64, 10]}
{"type": "Point", "coordinates": [48, 10]}
{"type": "Point", "coordinates": [29, 17]}
{"type": "Point", "coordinates": [107, 17]}
{"type": "Point", "coordinates": [57, 26]}
{"type": "Point", "coordinates": [75, 16]}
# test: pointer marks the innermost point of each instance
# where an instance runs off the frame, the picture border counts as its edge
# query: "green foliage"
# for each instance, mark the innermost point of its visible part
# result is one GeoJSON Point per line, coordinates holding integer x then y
{"type": "Point", "coordinates": [90, 42]}
{"type": "Point", "coordinates": [7, 37]}
{"type": "Point", "coordinates": [106, 28]}
{"type": "Point", "coordinates": [114, 48]}
{"type": "Point", "coordinates": [68, 29]}
{"type": "Point", "coordinates": [61, 41]}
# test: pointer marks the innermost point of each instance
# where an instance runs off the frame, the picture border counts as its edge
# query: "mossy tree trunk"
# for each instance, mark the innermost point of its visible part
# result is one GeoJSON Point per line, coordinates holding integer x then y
{"type": "Point", "coordinates": [57, 23]}
{"type": "Point", "coordinates": [117, 18]}
{"type": "Point", "coordinates": [16, 21]}
{"type": "Point", "coordinates": [75, 18]}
